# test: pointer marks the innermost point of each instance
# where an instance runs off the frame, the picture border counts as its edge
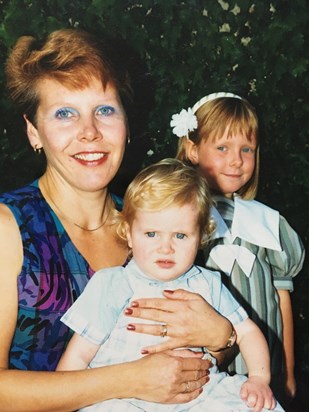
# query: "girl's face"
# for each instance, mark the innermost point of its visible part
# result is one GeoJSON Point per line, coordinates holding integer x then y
{"type": "Point", "coordinates": [227, 162]}
{"type": "Point", "coordinates": [82, 132]}
{"type": "Point", "coordinates": [165, 243]}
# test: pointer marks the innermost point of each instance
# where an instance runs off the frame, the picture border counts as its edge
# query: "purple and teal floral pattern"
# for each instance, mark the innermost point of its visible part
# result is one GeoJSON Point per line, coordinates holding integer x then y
{"type": "Point", "coordinates": [53, 275]}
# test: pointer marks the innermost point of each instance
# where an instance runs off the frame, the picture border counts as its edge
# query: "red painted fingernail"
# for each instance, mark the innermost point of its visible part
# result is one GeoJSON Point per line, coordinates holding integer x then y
{"type": "Point", "coordinates": [128, 311]}
{"type": "Point", "coordinates": [130, 327]}
{"type": "Point", "coordinates": [169, 291]}
{"type": "Point", "coordinates": [134, 304]}
{"type": "Point", "coordinates": [144, 352]}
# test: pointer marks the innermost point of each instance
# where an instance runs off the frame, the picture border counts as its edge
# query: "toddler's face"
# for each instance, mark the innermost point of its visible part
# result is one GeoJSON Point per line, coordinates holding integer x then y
{"type": "Point", "coordinates": [165, 242]}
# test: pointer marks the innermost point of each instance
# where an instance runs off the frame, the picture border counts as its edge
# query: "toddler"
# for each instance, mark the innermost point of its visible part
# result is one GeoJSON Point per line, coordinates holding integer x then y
{"type": "Point", "coordinates": [165, 219]}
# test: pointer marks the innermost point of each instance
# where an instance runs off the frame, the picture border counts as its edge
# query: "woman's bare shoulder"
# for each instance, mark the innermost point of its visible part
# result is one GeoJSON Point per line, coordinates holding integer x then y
{"type": "Point", "coordinates": [7, 219]}
{"type": "Point", "coordinates": [10, 238]}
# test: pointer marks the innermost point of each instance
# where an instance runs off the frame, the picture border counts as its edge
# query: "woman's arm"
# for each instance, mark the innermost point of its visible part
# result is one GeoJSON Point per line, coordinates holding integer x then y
{"type": "Point", "coordinates": [11, 257]}
{"type": "Point", "coordinates": [288, 341]}
{"type": "Point", "coordinates": [158, 378]}
{"type": "Point", "coordinates": [190, 320]}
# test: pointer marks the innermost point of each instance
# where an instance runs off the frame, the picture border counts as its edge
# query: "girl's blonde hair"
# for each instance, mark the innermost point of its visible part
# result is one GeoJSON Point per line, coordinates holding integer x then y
{"type": "Point", "coordinates": [213, 117]}
{"type": "Point", "coordinates": [164, 184]}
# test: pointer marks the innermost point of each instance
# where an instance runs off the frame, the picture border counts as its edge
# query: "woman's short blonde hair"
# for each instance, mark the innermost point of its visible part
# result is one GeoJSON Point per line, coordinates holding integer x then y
{"type": "Point", "coordinates": [72, 57]}
{"type": "Point", "coordinates": [164, 184]}
{"type": "Point", "coordinates": [213, 117]}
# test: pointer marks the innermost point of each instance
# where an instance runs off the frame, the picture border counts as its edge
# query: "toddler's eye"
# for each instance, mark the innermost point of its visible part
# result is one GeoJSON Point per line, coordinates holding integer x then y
{"type": "Point", "coordinates": [180, 235]}
{"type": "Point", "coordinates": [150, 234]}
{"type": "Point", "coordinates": [64, 113]}
{"type": "Point", "coordinates": [105, 110]}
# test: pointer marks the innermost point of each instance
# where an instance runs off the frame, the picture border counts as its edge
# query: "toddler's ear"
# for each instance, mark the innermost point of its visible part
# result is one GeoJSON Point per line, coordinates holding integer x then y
{"type": "Point", "coordinates": [192, 152]}
{"type": "Point", "coordinates": [128, 235]}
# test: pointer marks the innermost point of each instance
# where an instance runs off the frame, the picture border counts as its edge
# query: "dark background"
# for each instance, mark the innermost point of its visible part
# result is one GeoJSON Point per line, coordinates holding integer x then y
{"type": "Point", "coordinates": [179, 51]}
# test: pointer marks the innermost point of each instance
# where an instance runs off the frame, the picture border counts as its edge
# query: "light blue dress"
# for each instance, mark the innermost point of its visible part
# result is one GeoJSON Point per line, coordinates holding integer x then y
{"type": "Point", "coordinates": [98, 315]}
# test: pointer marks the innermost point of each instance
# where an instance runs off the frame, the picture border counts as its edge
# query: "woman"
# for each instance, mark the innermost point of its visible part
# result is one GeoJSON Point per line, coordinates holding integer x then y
{"type": "Point", "coordinates": [55, 232]}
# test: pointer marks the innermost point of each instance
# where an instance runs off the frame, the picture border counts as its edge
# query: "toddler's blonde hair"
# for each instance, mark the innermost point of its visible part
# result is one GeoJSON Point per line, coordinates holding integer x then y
{"type": "Point", "coordinates": [164, 184]}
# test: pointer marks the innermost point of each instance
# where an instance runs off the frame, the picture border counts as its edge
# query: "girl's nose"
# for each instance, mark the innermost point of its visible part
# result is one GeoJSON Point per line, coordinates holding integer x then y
{"type": "Point", "coordinates": [236, 159]}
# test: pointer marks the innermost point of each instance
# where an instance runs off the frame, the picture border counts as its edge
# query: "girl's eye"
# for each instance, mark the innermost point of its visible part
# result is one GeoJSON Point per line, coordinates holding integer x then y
{"type": "Point", "coordinates": [221, 148]}
{"type": "Point", "coordinates": [248, 150]}
{"type": "Point", "coordinates": [180, 235]}
{"type": "Point", "coordinates": [150, 234]}
{"type": "Point", "coordinates": [105, 110]}
{"type": "Point", "coordinates": [65, 113]}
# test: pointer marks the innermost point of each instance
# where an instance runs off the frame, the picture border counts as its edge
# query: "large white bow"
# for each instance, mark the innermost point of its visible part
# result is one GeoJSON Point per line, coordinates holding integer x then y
{"type": "Point", "coordinates": [225, 255]}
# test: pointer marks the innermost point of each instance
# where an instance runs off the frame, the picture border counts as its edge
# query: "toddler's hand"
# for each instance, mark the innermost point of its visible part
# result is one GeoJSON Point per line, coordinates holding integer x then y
{"type": "Point", "coordinates": [257, 394]}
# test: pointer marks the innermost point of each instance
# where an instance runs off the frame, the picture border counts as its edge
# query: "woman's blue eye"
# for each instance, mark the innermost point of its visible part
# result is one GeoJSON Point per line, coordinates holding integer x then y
{"type": "Point", "coordinates": [64, 113]}
{"type": "Point", "coordinates": [150, 234]}
{"type": "Point", "coordinates": [105, 110]}
{"type": "Point", "coordinates": [180, 235]}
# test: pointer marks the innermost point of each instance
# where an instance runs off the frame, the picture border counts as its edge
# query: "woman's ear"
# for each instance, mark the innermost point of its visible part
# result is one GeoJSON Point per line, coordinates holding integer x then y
{"type": "Point", "coordinates": [192, 152]}
{"type": "Point", "coordinates": [33, 134]}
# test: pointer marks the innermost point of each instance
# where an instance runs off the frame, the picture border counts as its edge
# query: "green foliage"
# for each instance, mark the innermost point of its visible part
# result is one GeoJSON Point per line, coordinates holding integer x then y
{"type": "Point", "coordinates": [183, 50]}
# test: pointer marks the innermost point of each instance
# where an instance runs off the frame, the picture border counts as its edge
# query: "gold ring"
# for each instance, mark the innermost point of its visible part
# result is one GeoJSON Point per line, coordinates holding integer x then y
{"type": "Point", "coordinates": [187, 389]}
{"type": "Point", "coordinates": [163, 331]}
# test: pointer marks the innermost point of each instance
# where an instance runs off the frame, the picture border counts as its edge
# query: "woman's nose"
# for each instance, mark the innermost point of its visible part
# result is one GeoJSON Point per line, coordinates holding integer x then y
{"type": "Point", "coordinates": [89, 130]}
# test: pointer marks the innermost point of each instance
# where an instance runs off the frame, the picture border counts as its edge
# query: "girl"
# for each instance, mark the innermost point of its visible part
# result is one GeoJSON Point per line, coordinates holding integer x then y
{"type": "Point", "coordinates": [253, 246]}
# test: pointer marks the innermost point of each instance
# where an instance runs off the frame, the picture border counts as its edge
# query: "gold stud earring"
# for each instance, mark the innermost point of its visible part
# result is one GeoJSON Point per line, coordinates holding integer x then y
{"type": "Point", "coordinates": [37, 150]}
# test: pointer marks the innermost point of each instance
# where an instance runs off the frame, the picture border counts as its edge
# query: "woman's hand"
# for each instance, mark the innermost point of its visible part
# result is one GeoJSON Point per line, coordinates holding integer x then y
{"type": "Point", "coordinates": [169, 379]}
{"type": "Point", "coordinates": [190, 321]}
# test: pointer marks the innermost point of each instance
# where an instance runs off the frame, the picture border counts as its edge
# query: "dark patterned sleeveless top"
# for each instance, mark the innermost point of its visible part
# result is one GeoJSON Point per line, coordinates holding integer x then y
{"type": "Point", "coordinates": [53, 275]}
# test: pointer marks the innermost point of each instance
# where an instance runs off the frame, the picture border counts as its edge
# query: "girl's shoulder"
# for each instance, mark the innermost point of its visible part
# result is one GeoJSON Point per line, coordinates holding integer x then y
{"type": "Point", "coordinates": [252, 221]}
{"type": "Point", "coordinates": [253, 209]}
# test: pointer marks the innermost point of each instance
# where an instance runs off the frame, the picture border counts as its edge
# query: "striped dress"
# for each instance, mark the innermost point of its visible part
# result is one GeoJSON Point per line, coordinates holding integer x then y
{"type": "Point", "coordinates": [257, 253]}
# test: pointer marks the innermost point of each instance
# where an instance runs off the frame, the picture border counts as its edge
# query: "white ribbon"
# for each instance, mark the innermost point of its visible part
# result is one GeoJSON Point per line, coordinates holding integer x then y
{"type": "Point", "coordinates": [225, 256]}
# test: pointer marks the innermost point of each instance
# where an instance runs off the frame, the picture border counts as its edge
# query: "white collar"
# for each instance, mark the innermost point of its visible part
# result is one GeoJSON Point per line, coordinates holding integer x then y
{"type": "Point", "coordinates": [253, 222]}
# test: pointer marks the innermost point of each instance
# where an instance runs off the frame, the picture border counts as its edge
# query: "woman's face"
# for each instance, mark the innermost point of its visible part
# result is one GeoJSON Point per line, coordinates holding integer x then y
{"type": "Point", "coordinates": [82, 132]}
